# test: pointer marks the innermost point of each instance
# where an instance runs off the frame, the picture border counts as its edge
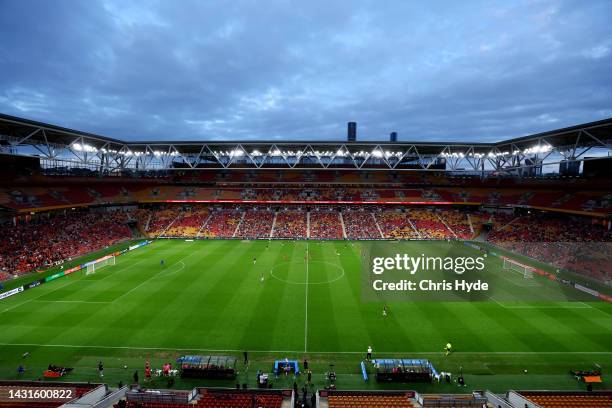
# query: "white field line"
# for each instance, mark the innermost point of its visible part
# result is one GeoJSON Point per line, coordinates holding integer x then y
{"type": "Point", "coordinates": [37, 297]}
{"type": "Point", "coordinates": [306, 314]}
{"type": "Point", "coordinates": [70, 283]}
{"type": "Point", "coordinates": [153, 276]}
{"type": "Point", "coordinates": [69, 301]}
{"type": "Point", "coordinates": [310, 352]}
{"type": "Point", "coordinates": [557, 306]}
{"type": "Point", "coordinates": [594, 308]}
{"type": "Point", "coordinates": [67, 284]}
{"type": "Point", "coordinates": [530, 284]}
{"type": "Point", "coordinates": [114, 271]}
{"type": "Point", "coordinates": [86, 301]}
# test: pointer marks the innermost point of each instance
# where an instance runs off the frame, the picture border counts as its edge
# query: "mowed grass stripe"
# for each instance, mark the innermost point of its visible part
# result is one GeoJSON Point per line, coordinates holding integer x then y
{"type": "Point", "coordinates": [263, 317]}
{"type": "Point", "coordinates": [41, 292]}
{"type": "Point", "coordinates": [32, 321]}
{"type": "Point", "coordinates": [143, 306]}
{"type": "Point", "coordinates": [162, 318]}
{"type": "Point", "coordinates": [84, 322]}
{"type": "Point", "coordinates": [323, 324]}
{"type": "Point", "coordinates": [355, 320]}
{"type": "Point", "coordinates": [112, 320]}
{"type": "Point", "coordinates": [208, 296]}
{"type": "Point", "coordinates": [583, 327]}
{"type": "Point", "coordinates": [290, 301]}
{"type": "Point", "coordinates": [223, 324]}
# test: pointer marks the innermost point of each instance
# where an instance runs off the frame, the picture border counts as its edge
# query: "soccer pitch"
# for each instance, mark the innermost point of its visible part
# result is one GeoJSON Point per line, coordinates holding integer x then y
{"type": "Point", "coordinates": [208, 298]}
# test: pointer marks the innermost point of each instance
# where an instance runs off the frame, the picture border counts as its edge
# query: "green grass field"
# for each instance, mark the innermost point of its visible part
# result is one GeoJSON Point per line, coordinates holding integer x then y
{"type": "Point", "coordinates": [208, 299]}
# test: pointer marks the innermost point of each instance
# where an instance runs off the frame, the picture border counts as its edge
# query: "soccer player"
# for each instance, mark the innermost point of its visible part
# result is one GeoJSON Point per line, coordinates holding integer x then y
{"type": "Point", "coordinates": [261, 278]}
{"type": "Point", "coordinates": [448, 348]}
{"type": "Point", "coordinates": [385, 311]}
{"type": "Point", "coordinates": [254, 260]}
{"type": "Point", "coordinates": [147, 371]}
{"type": "Point", "coordinates": [369, 354]}
{"type": "Point", "coordinates": [161, 262]}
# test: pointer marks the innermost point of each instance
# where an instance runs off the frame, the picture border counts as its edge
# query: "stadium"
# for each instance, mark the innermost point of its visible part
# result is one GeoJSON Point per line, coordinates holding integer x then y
{"type": "Point", "coordinates": [129, 267]}
{"type": "Point", "coordinates": [320, 204]}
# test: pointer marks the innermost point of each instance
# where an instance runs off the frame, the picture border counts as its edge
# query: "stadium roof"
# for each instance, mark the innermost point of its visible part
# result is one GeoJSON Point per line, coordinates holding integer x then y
{"type": "Point", "coordinates": [601, 129]}
{"type": "Point", "coordinates": [52, 142]}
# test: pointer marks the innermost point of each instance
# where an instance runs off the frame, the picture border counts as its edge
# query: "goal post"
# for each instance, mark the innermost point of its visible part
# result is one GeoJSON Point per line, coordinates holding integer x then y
{"type": "Point", "coordinates": [525, 270]}
{"type": "Point", "coordinates": [100, 263]}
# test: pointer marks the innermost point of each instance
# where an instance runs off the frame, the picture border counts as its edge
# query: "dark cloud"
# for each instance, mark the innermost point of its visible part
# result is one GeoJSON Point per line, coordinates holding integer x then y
{"type": "Point", "coordinates": [301, 70]}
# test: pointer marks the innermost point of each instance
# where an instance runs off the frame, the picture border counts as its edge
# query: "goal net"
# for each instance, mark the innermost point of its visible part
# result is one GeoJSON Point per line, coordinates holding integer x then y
{"type": "Point", "coordinates": [93, 267]}
{"type": "Point", "coordinates": [526, 271]}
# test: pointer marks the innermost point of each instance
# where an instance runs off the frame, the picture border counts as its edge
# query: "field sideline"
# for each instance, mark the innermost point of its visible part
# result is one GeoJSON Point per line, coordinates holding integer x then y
{"type": "Point", "coordinates": [208, 298]}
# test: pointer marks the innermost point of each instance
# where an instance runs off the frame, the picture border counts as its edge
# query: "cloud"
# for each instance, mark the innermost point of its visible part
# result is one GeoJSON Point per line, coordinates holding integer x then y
{"type": "Point", "coordinates": [217, 70]}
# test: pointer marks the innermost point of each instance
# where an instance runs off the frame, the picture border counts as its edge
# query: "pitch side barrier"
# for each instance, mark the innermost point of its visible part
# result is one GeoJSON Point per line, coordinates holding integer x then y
{"type": "Point", "coordinates": [66, 272]}
{"type": "Point", "coordinates": [539, 271]}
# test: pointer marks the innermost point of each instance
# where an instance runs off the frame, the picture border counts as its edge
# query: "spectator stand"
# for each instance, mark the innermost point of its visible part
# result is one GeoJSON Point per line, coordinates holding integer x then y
{"type": "Point", "coordinates": [366, 399]}
{"type": "Point", "coordinates": [561, 399]}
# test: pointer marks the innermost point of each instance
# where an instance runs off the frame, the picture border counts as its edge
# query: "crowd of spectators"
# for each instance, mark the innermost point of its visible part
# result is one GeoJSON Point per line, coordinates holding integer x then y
{"type": "Point", "coordinates": [396, 225]}
{"type": "Point", "coordinates": [160, 220]}
{"type": "Point", "coordinates": [458, 222]}
{"type": "Point", "coordinates": [95, 192]}
{"type": "Point", "coordinates": [325, 225]}
{"type": "Point", "coordinates": [221, 224]}
{"type": "Point", "coordinates": [568, 243]}
{"type": "Point", "coordinates": [51, 238]}
{"type": "Point", "coordinates": [188, 223]}
{"type": "Point", "coordinates": [257, 223]}
{"type": "Point", "coordinates": [290, 224]}
{"type": "Point", "coordinates": [429, 224]}
{"type": "Point", "coordinates": [360, 224]}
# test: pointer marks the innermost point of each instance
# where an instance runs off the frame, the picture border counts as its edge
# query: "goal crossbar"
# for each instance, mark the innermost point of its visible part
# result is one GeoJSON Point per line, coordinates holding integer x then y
{"type": "Point", "coordinates": [525, 270]}
{"type": "Point", "coordinates": [100, 263]}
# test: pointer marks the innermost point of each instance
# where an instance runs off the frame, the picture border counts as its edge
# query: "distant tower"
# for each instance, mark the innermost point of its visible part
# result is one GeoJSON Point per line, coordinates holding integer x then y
{"type": "Point", "coordinates": [352, 131]}
{"type": "Point", "coordinates": [393, 137]}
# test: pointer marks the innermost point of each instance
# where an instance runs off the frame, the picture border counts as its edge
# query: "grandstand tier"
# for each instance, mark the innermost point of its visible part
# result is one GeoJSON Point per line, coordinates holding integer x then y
{"type": "Point", "coordinates": [25, 197]}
